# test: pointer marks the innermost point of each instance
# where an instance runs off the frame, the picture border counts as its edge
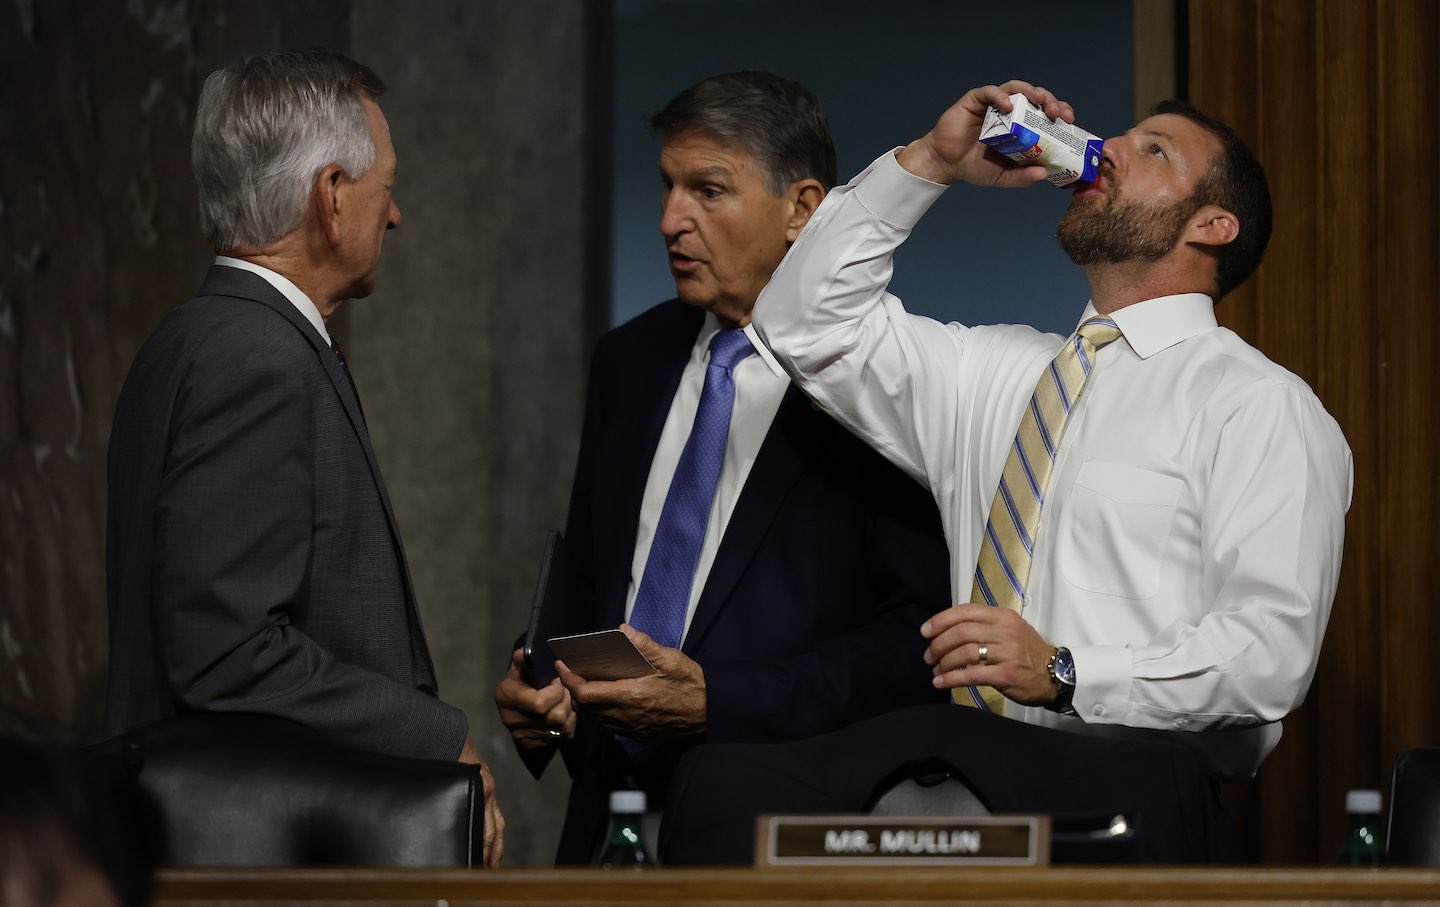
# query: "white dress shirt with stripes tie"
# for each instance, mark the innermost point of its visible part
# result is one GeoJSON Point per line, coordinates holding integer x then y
{"type": "Point", "coordinates": [1189, 545]}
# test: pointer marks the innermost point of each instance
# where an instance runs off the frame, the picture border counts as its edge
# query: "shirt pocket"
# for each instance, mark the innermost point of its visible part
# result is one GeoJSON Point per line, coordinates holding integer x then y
{"type": "Point", "coordinates": [1116, 527]}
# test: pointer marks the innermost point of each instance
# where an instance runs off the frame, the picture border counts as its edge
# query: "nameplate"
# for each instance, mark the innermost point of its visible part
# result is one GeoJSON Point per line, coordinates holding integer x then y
{"type": "Point", "coordinates": [866, 840]}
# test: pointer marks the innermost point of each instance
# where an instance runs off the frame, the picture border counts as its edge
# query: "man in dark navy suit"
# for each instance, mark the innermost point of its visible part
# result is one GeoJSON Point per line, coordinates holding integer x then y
{"type": "Point", "coordinates": [254, 560]}
{"type": "Point", "coordinates": [780, 594]}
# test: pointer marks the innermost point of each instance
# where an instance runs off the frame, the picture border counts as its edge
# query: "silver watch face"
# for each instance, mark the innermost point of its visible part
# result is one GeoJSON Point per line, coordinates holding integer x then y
{"type": "Point", "coordinates": [1064, 669]}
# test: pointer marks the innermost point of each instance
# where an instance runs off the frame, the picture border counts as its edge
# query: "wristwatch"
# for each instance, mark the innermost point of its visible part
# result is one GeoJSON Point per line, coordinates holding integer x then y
{"type": "Point", "coordinates": [1062, 673]}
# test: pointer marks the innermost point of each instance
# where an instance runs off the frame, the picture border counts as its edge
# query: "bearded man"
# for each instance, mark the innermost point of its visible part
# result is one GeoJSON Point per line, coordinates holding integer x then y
{"type": "Point", "coordinates": [1145, 520]}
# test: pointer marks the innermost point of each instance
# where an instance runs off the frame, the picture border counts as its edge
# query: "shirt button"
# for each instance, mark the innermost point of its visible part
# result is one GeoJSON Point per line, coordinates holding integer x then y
{"type": "Point", "coordinates": [1181, 722]}
{"type": "Point", "coordinates": [1098, 711]}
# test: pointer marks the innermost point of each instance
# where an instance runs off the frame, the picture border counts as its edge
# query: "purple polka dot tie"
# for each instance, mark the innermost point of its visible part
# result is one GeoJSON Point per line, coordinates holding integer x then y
{"type": "Point", "coordinates": [664, 594]}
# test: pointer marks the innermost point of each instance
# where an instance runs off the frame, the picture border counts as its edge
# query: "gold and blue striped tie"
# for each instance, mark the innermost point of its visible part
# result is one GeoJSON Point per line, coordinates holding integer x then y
{"type": "Point", "coordinates": [1003, 568]}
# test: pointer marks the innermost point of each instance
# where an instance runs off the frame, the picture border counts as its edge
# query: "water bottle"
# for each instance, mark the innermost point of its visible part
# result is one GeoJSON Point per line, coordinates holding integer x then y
{"type": "Point", "coordinates": [625, 845]}
{"type": "Point", "coordinates": [1364, 845]}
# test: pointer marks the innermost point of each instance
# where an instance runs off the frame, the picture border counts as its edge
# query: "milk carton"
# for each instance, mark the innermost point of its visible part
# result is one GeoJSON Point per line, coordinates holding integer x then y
{"type": "Point", "coordinates": [1069, 153]}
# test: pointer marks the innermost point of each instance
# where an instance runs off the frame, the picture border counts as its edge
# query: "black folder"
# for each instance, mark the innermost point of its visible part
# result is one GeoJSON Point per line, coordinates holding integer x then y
{"type": "Point", "coordinates": [561, 608]}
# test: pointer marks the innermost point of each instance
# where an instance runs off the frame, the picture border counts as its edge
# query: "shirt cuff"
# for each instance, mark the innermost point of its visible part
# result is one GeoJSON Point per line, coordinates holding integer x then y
{"type": "Point", "coordinates": [894, 194]}
{"type": "Point", "coordinates": [1103, 676]}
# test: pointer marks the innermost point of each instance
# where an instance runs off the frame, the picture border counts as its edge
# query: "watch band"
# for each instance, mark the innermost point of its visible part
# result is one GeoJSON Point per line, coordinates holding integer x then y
{"type": "Point", "coordinates": [1062, 673]}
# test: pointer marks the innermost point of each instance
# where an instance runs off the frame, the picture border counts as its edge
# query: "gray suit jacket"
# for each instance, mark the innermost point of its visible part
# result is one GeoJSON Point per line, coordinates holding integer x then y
{"type": "Point", "coordinates": [254, 562]}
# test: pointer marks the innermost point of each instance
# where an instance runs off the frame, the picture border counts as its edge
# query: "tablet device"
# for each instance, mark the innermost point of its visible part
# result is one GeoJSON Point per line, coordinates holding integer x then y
{"type": "Point", "coordinates": [561, 608]}
{"type": "Point", "coordinates": [606, 655]}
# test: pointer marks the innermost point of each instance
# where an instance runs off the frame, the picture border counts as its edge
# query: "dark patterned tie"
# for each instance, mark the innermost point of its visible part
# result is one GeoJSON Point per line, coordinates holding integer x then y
{"type": "Point", "coordinates": [335, 346]}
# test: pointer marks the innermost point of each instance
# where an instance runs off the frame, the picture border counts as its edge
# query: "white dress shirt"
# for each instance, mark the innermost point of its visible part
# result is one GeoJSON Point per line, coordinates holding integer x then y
{"type": "Point", "coordinates": [1190, 542]}
{"type": "Point", "coordinates": [760, 385]}
{"type": "Point", "coordinates": [287, 288]}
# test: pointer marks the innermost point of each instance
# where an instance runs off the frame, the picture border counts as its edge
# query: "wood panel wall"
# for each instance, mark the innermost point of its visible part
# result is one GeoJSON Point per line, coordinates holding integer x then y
{"type": "Point", "coordinates": [1339, 99]}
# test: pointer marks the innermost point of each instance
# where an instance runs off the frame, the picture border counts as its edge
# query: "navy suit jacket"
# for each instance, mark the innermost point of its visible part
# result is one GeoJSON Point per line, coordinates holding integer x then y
{"type": "Point", "coordinates": [809, 619]}
{"type": "Point", "coordinates": [254, 563]}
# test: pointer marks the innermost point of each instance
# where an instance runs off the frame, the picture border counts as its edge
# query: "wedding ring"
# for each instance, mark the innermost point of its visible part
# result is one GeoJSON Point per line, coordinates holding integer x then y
{"type": "Point", "coordinates": [553, 733]}
{"type": "Point", "coordinates": [984, 654]}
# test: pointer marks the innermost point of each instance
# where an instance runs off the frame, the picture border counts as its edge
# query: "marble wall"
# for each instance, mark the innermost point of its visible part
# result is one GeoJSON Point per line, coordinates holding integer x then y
{"type": "Point", "coordinates": [470, 356]}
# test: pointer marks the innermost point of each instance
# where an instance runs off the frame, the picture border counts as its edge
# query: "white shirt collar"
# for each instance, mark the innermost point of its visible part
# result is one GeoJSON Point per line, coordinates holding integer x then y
{"type": "Point", "coordinates": [286, 288]}
{"type": "Point", "coordinates": [1160, 323]}
{"type": "Point", "coordinates": [711, 327]}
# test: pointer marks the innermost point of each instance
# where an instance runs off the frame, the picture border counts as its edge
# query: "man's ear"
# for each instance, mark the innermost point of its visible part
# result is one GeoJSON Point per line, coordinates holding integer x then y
{"type": "Point", "coordinates": [327, 198]}
{"type": "Point", "coordinates": [805, 196]}
{"type": "Point", "coordinates": [1212, 225]}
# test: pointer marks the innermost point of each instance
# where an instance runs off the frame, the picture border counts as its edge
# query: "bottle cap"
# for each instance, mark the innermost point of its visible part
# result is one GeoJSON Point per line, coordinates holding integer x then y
{"type": "Point", "coordinates": [1356, 801]}
{"type": "Point", "coordinates": [633, 801]}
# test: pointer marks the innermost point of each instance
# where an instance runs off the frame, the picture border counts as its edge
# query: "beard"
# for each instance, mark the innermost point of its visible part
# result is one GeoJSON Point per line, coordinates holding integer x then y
{"type": "Point", "coordinates": [1111, 230]}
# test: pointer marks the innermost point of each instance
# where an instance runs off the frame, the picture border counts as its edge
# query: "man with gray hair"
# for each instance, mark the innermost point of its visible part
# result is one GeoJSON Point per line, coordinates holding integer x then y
{"type": "Point", "coordinates": [770, 566]}
{"type": "Point", "coordinates": [254, 560]}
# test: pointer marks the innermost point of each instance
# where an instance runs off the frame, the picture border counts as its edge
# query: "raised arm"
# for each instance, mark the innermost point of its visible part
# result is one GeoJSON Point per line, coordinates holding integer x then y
{"type": "Point", "coordinates": [898, 381]}
{"type": "Point", "coordinates": [952, 153]}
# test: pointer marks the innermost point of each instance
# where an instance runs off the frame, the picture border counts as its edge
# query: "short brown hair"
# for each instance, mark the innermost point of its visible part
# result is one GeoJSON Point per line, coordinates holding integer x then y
{"type": "Point", "coordinates": [1235, 182]}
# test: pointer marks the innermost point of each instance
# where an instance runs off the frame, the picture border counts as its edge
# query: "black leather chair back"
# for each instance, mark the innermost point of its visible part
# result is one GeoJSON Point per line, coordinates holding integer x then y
{"type": "Point", "coordinates": [1413, 838]}
{"type": "Point", "coordinates": [254, 790]}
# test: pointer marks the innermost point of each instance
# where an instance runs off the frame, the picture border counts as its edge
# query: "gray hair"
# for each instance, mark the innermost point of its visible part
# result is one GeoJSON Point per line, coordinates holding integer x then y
{"type": "Point", "coordinates": [264, 128]}
{"type": "Point", "coordinates": [780, 122]}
